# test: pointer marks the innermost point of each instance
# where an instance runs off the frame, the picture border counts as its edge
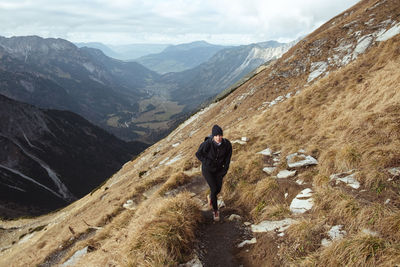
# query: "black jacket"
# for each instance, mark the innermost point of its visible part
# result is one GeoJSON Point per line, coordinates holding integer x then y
{"type": "Point", "coordinates": [213, 157]}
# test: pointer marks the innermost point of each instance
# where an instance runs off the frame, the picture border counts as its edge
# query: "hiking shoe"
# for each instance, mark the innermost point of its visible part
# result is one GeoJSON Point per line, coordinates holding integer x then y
{"type": "Point", "coordinates": [216, 215]}
{"type": "Point", "coordinates": [209, 201]}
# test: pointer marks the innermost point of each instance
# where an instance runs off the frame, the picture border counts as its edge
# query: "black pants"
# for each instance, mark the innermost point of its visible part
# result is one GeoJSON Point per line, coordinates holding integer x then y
{"type": "Point", "coordinates": [214, 180]}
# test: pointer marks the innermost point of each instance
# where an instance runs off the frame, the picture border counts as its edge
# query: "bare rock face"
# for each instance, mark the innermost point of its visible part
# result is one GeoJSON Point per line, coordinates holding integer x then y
{"type": "Point", "coordinates": [50, 158]}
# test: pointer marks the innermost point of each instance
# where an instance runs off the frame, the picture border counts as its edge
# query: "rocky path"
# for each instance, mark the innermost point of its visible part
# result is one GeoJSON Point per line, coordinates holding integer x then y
{"type": "Point", "coordinates": [218, 240]}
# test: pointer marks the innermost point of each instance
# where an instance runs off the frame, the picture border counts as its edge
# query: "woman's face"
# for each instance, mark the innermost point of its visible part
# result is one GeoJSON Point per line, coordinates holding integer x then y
{"type": "Point", "coordinates": [217, 138]}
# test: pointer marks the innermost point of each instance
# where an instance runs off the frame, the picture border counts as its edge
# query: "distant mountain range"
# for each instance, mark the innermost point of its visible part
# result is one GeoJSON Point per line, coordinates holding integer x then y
{"type": "Point", "coordinates": [225, 68]}
{"type": "Point", "coordinates": [50, 158]}
{"type": "Point", "coordinates": [54, 73]}
{"type": "Point", "coordinates": [126, 52]}
{"type": "Point", "coordinates": [125, 98]}
{"type": "Point", "coordinates": [177, 58]}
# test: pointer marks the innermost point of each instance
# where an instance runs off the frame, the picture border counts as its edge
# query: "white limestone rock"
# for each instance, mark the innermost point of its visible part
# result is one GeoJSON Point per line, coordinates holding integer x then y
{"type": "Point", "coordinates": [389, 33]}
{"type": "Point", "coordinates": [195, 262]}
{"type": "Point", "coordinates": [234, 217]}
{"type": "Point", "coordinates": [297, 160]}
{"type": "Point", "coordinates": [302, 202]}
{"type": "Point", "coordinates": [129, 204]}
{"type": "Point", "coordinates": [240, 142]}
{"type": "Point", "coordinates": [285, 174]}
{"type": "Point", "coordinates": [163, 161]}
{"type": "Point", "coordinates": [269, 170]}
{"type": "Point", "coordinates": [266, 152]}
{"type": "Point", "coordinates": [74, 259]}
{"type": "Point", "coordinates": [247, 242]}
{"type": "Point", "coordinates": [362, 45]}
{"type": "Point", "coordinates": [394, 171]}
{"type": "Point", "coordinates": [346, 177]}
{"type": "Point", "coordinates": [266, 226]}
{"type": "Point", "coordinates": [175, 159]}
{"type": "Point", "coordinates": [316, 69]}
{"type": "Point", "coordinates": [335, 233]}
{"type": "Point", "coordinates": [369, 232]}
{"type": "Point", "coordinates": [221, 203]}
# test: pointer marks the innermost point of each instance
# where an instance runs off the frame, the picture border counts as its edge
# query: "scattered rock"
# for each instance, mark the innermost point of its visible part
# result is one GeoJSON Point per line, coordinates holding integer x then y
{"type": "Point", "coordinates": [269, 170]}
{"type": "Point", "coordinates": [25, 238]}
{"type": "Point", "coordinates": [346, 177]}
{"type": "Point", "coordinates": [299, 182]}
{"type": "Point", "coordinates": [362, 45]}
{"type": "Point", "coordinates": [266, 226]}
{"type": "Point", "coordinates": [195, 262]}
{"type": "Point", "coordinates": [221, 203]}
{"type": "Point", "coordinates": [297, 160]}
{"type": "Point", "coordinates": [247, 242]}
{"type": "Point", "coordinates": [129, 204]}
{"type": "Point", "coordinates": [387, 201]}
{"type": "Point", "coordinates": [163, 161]}
{"type": "Point", "coordinates": [286, 195]}
{"type": "Point", "coordinates": [77, 255]}
{"type": "Point", "coordinates": [394, 171]}
{"type": "Point", "coordinates": [247, 223]}
{"type": "Point", "coordinates": [302, 202]}
{"type": "Point", "coordinates": [335, 233]}
{"type": "Point", "coordinates": [266, 152]}
{"type": "Point", "coordinates": [285, 174]}
{"type": "Point", "coordinates": [240, 142]}
{"type": "Point", "coordinates": [389, 33]}
{"type": "Point", "coordinates": [176, 144]}
{"type": "Point", "coordinates": [369, 232]}
{"type": "Point", "coordinates": [178, 157]}
{"type": "Point", "coordinates": [316, 69]}
{"type": "Point", "coordinates": [234, 217]}
{"type": "Point", "coordinates": [245, 139]}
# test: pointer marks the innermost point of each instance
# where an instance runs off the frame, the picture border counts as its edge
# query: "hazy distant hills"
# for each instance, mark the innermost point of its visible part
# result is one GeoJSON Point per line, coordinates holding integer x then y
{"type": "Point", "coordinates": [126, 52]}
{"type": "Point", "coordinates": [125, 98]}
{"type": "Point", "coordinates": [177, 58]}
{"type": "Point", "coordinates": [221, 71]}
{"type": "Point", "coordinates": [50, 158]}
{"type": "Point", "coordinates": [54, 73]}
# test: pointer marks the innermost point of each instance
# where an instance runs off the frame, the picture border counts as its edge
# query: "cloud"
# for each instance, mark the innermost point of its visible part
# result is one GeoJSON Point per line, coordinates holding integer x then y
{"type": "Point", "coordinates": [171, 21]}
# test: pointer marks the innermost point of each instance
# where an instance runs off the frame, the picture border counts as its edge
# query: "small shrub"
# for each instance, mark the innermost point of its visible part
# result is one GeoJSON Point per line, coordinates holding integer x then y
{"type": "Point", "coordinates": [167, 240]}
{"type": "Point", "coordinates": [175, 181]}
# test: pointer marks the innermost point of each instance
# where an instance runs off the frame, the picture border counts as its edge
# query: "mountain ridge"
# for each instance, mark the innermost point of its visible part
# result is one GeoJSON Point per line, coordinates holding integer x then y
{"type": "Point", "coordinates": [51, 158]}
{"type": "Point", "coordinates": [332, 97]}
{"type": "Point", "coordinates": [177, 58]}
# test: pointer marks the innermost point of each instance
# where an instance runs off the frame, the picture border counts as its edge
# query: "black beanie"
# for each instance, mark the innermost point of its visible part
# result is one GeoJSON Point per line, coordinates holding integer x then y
{"type": "Point", "coordinates": [216, 130]}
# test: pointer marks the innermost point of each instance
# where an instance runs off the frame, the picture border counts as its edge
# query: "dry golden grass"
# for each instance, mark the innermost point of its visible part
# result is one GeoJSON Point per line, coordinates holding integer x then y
{"type": "Point", "coordinates": [167, 238]}
{"type": "Point", "coordinates": [347, 119]}
{"type": "Point", "coordinates": [358, 250]}
{"type": "Point", "coordinates": [176, 180]}
{"type": "Point", "coordinates": [303, 238]}
{"type": "Point", "coordinates": [275, 212]}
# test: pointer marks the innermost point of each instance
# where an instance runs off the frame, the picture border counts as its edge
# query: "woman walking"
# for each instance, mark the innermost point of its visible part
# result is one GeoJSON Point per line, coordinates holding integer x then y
{"type": "Point", "coordinates": [215, 155]}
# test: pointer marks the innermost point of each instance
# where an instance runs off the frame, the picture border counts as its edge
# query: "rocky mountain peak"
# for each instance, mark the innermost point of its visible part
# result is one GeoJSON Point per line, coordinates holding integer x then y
{"type": "Point", "coordinates": [23, 46]}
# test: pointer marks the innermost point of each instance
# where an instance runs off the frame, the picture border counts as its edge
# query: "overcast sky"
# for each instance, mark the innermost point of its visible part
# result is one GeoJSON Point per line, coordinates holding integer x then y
{"type": "Point", "coordinates": [167, 21]}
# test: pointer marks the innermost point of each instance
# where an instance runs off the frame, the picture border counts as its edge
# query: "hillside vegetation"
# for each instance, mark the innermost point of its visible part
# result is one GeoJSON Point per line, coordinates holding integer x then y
{"type": "Point", "coordinates": [333, 97]}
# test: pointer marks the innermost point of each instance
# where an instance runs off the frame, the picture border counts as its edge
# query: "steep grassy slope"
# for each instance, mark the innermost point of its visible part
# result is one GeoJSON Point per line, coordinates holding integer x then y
{"type": "Point", "coordinates": [333, 96]}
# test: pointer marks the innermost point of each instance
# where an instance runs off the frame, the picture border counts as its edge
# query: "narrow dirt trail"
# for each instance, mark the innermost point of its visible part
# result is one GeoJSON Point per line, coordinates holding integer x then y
{"type": "Point", "coordinates": [218, 240]}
